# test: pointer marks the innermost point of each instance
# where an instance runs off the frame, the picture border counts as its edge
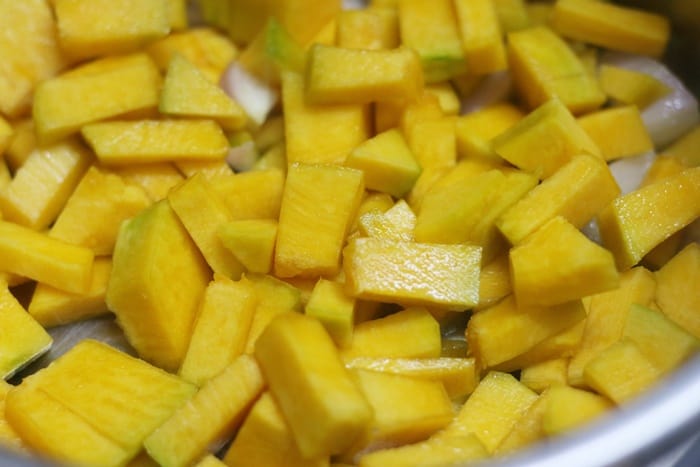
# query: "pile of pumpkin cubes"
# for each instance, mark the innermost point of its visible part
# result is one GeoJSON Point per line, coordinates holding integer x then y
{"type": "Point", "coordinates": [386, 278]}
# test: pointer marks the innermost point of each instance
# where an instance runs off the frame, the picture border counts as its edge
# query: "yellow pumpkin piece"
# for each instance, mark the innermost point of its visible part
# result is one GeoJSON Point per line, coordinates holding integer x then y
{"type": "Point", "coordinates": [242, 18]}
{"type": "Point", "coordinates": [494, 281]}
{"type": "Point", "coordinates": [474, 131]}
{"type": "Point", "coordinates": [187, 92]}
{"type": "Point", "coordinates": [252, 242]}
{"type": "Point", "coordinates": [41, 187]}
{"type": "Point", "coordinates": [433, 142]}
{"type": "Point", "coordinates": [223, 321]}
{"type": "Point", "coordinates": [677, 282]}
{"type": "Point", "coordinates": [210, 460]}
{"type": "Point", "coordinates": [30, 51]}
{"type": "Point", "coordinates": [624, 224]}
{"type": "Point", "coordinates": [210, 417]}
{"type": "Point", "coordinates": [607, 316]}
{"type": "Point", "coordinates": [210, 169]}
{"type": "Point", "coordinates": [37, 256]}
{"type": "Point", "coordinates": [148, 141]}
{"type": "Point", "coordinates": [446, 95]}
{"type": "Point", "coordinates": [252, 195]}
{"type": "Point", "coordinates": [325, 410]}
{"type": "Point", "coordinates": [406, 409]}
{"type": "Point", "coordinates": [302, 27]}
{"type": "Point", "coordinates": [618, 132]}
{"type": "Point", "coordinates": [177, 14]}
{"type": "Point", "coordinates": [337, 75]}
{"type": "Point", "coordinates": [155, 179]}
{"type": "Point", "coordinates": [54, 307]}
{"type": "Point", "coordinates": [446, 276]}
{"type": "Point", "coordinates": [388, 164]}
{"type": "Point", "coordinates": [397, 223]}
{"type": "Point", "coordinates": [544, 141]}
{"type": "Point", "coordinates": [158, 277]}
{"type": "Point", "coordinates": [97, 207]}
{"type": "Point", "coordinates": [629, 86]}
{"type": "Point", "coordinates": [202, 213]}
{"type": "Point", "coordinates": [319, 134]}
{"type": "Point", "coordinates": [59, 103]}
{"type": "Point", "coordinates": [105, 403]}
{"type": "Point", "coordinates": [621, 372]}
{"type": "Point", "coordinates": [684, 149]}
{"type": "Point", "coordinates": [23, 338]}
{"type": "Point", "coordinates": [433, 452]}
{"type": "Point", "coordinates": [318, 205]}
{"type": "Point", "coordinates": [5, 177]}
{"type": "Point", "coordinates": [557, 263]}
{"type": "Point", "coordinates": [266, 439]}
{"type": "Point", "coordinates": [507, 330]}
{"type": "Point", "coordinates": [431, 30]}
{"type": "Point", "coordinates": [541, 376]}
{"type": "Point", "coordinates": [528, 428]}
{"type": "Point", "coordinates": [480, 29]}
{"type": "Point", "coordinates": [406, 116]}
{"type": "Point", "coordinates": [568, 408]}
{"type": "Point", "coordinates": [274, 297]}
{"type": "Point", "coordinates": [22, 143]}
{"type": "Point", "coordinates": [512, 14]}
{"type": "Point", "coordinates": [6, 134]}
{"type": "Point", "coordinates": [577, 191]}
{"type": "Point", "coordinates": [368, 28]}
{"type": "Point", "coordinates": [372, 202]}
{"type": "Point", "coordinates": [612, 26]}
{"type": "Point", "coordinates": [330, 305]}
{"type": "Point", "coordinates": [9, 439]}
{"type": "Point", "coordinates": [543, 66]}
{"type": "Point", "coordinates": [458, 375]}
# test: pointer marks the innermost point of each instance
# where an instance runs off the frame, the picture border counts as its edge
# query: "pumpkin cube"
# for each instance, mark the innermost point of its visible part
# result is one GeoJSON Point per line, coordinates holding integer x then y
{"type": "Point", "coordinates": [251, 241]}
{"type": "Point", "coordinates": [93, 213]}
{"type": "Point", "coordinates": [149, 141]}
{"type": "Point", "coordinates": [629, 86]}
{"type": "Point", "coordinates": [155, 179]}
{"type": "Point", "coordinates": [475, 130]}
{"type": "Point", "coordinates": [388, 164]}
{"type": "Point", "coordinates": [541, 376]}
{"type": "Point", "coordinates": [433, 141]}
{"type": "Point", "coordinates": [396, 336]}
{"type": "Point", "coordinates": [22, 143]}
{"type": "Point", "coordinates": [528, 429]}
{"type": "Point", "coordinates": [334, 309]}
{"type": "Point", "coordinates": [676, 283]}
{"type": "Point", "coordinates": [304, 27]}
{"type": "Point", "coordinates": [325, 410]}
{"type": "Point", "coordinates": [318, 204]}
{"type": "Point", "coordinates": [252, 195]}
{"type": "Point", "coordinates": [368, 28]}
{"type": "Point", "coordinates": [557, 263]}
{"type": "Point", "coordinates": [223, 321]}
{"type": "Point", "coordinates": [684, 148]}
{"type": "Point", "coordinates": [210, 417]}
{"type": "Point", "coordinates": [9, 439]}
{"type": "Point", "coordinates": [544, 141]}
{"type": "Point", "coordinates": [158, 277]}
{"type": "Point", "coordinates": [624, 224]}
{"type": "Point", "coordinates": [512, 14]}
{"type": "Point", "coordinates": [41, 187]}
{"type": "Point", "coordinates": [445, 276]}
{"type": "Point", "coordinates": [59, 108]}
{"type": "Point", "coordinates": [494, 281]}
{"type": "Point", "coordinates": [480, 29]}
{"type": "Point", "coordinates": [618, 132]}
{"type": "Point", "coordinates": [544, 66]}
{"type": "Point", "coordinates": [612, 26]}
{"type": "Point", "coordinates": [396, 223]}
{"type": "Point", "coordinates": [24, 339]}
{"type": "Point", "coordinates": [568, 408]}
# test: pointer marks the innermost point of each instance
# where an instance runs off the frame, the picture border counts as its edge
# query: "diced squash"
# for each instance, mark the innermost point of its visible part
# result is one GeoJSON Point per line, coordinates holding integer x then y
{"type": "Point", "coordinates": [41, 187]}
{"type": "Point", "coordinates": [325, 410]}
{"type": "Point", "coordinates": [251, 241]}
{"type": "Point", "coordinates": [528, 428]}
{"type": "Point", "coordinates": [677, 283]}
{"type": "Point", "coordinates": [433, 141]}
{"type": "Point", "coordinates": [557, 263]}
{"type": "Point", "coordinates": [210, 416]}
{"type": "Point", "coordinates": [446, 95]}
{"type": "Point", "coordinates": [54, 307]}
{"type": "Point", "coordinates": [337, 75]}
{"type": "Point", "coordinates": [334, 309]}
{"type": "Point", "coordinates": [60, 108]}
{"type": "Point", "coordinates": [397, 223]}
{"type": "Point", "coordinates": [475, 130]}
{"type": "Point", "coordinates": [89, 28]}
{"type": "Point", "coordinates": [492, 342]}
{"type": "Point", "coordinates": [480, 30]}
{"type": "Point", "coordinates": [685, 148]}
{"type": "Point", "coordinates": [577, 191]}
{"type": "Point", "coordinates": [9, 439]}
{"type": "Point", "coordinates": [543, 66]}
{"type": "Point", "coordinates": [368, 28]}
{"type": "Point", "coordinates": [494, 281]}
{"type": "Point", "coordinates": [512, 14]}
{"type": "Point", "coordinates": [409, 333]}
{"type": "Point", "coordinates": [302, 27]}
{"type": "Point", "coordinates": [624, 224]}
{"type": "Point", "coordinates": [318, 204]}
{"type": "Point", "coordinates": [317, 134]}
{"type": "Point", "coordinates": [156, 179]}
{"type": "Point", "coordinates": [446, 276]}
{"type": "Point", "coordinates": [617, 132]}
{"type": "Point", "coordinates": [568, 408]}
{"type": "Point", "coordinates": [252, 195]}
{"type": "Point", "coordinates": [6, 134]}
{"type": "Point", "coordinates": [266, 439]}
{"type": "Point", "coordinates": [23, 338]}
{"type": "Point", "coordinates": [95, 210]}
{"type": "Point", "coordinates": [22, 143]}
{"type": "Point", "coordinates": [629, 86]}
{"type": "Point", "coordinates": [202, 212]}
{"type": "Point", "coordinates": [541, 376]}
{"type": "Point", "coordinates": [223, 321]}
{"type": "Point", "coordinates": [544, 140]}
{"type": "Point", "coordinates": [37, 256]}
{"type": "Point", "coordinates": [148, 141]}
{"type": "Point", "coordinates": [612, 26]}
{"type": "Point", "coordinates": [158, 277]}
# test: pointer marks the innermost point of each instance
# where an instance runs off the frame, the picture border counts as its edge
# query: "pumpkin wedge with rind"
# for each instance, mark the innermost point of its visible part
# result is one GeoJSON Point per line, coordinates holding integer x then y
{"type": "Point", "coordinates": [158, 277]}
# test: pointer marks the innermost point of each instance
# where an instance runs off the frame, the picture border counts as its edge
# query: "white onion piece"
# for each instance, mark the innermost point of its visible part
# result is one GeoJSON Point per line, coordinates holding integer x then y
{"type": "Point", "coordinates": [630, 171]}
{"type": "Point", "coordinates": [592, 231]}
{"type": "Point", "coordinates": [671, 116]}
{"type": "Point", "coordinates": [255, 96]}
{"type": "Point", "coordinates": [242, 157]}
{"type": "Point", "coordinates": [492, 89]}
